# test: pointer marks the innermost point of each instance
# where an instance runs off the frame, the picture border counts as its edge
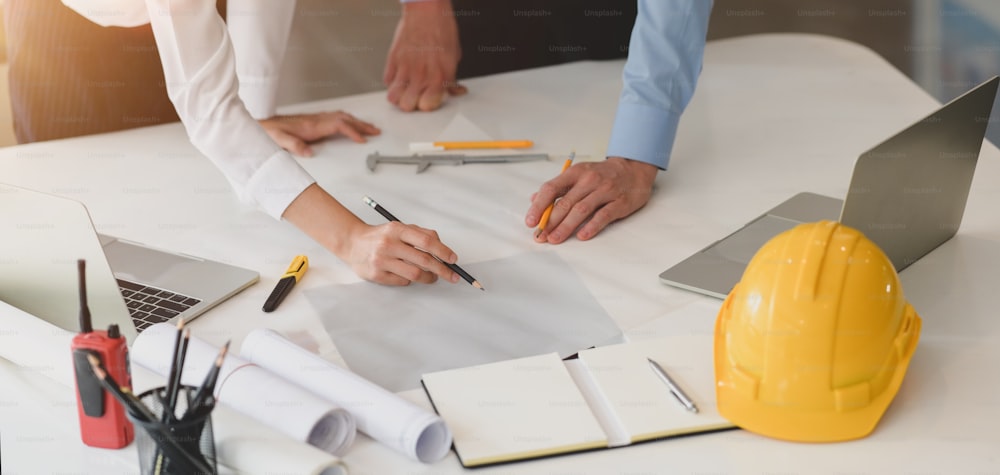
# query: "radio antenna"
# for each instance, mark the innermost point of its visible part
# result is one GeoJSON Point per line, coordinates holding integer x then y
{"type": "Point", "coordinates": [85, 325]}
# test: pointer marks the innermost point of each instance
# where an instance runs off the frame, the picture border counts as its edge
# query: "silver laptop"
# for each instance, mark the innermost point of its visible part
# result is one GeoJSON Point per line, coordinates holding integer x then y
{"type": "Point", "coordinates": [907, 194]}
{"type": "Point", "coordinates": [128, 283]}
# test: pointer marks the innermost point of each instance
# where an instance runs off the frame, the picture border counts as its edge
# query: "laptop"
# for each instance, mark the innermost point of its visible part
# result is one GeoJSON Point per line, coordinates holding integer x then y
{"type": "Point", "coordinates": [128, 283]}
{"type": "Point", "coordinates": [907, 194]}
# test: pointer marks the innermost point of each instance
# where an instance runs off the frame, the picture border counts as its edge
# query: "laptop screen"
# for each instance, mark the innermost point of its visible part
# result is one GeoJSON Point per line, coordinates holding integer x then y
{"type": "Point", "coordinates": [43, 237]}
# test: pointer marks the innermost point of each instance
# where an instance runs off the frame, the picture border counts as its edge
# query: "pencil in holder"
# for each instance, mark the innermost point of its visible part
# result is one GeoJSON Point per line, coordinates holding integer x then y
{"type": "Point", "coordinates": [179, 445]}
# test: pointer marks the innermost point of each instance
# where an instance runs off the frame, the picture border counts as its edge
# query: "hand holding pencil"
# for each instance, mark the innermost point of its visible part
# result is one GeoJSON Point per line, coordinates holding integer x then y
{"type": "Point", "coordinates": [548, 211]}
{"type": "Point", "coordinates": [428, 251]}
{"type": "Point", "coordinates": [398, 254]}
{"type": "Point", "coordinates": [591, 196]}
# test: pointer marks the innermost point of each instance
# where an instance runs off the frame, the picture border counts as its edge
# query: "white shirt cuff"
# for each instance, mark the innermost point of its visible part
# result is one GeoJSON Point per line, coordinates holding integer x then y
{"type": "Point", "coordinates": [278, 181]}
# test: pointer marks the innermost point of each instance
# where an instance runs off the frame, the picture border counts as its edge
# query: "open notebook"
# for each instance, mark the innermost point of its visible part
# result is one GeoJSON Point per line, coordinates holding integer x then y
{"type": "Point", "coordinates": [608, 397]}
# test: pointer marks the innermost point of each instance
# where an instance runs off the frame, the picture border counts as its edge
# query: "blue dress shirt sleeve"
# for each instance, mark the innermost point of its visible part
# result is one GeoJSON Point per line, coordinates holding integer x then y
{"type": "Point", "coordinates": [664, 61]}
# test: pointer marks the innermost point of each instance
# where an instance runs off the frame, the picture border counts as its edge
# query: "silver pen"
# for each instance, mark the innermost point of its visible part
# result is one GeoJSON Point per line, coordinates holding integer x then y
{"type": "Point", "coordinates": [674, 388]}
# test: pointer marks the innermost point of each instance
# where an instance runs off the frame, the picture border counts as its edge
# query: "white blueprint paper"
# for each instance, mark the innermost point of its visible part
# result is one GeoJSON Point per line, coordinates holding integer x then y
{"type": "Point", "coordinates": [534, 303]}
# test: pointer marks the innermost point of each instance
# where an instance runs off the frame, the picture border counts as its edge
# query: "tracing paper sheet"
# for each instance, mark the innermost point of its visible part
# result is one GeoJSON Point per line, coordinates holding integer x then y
{"type": "Point", "coordinates": [534, 303]}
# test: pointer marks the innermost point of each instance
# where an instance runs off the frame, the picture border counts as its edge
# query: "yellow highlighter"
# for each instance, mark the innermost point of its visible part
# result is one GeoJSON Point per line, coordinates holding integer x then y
{"type": "Point", "coordinates": [294, 273]}
{"type": "Point", "coordinates": [548, 211]}
{"type": "Point", "coordinates": [417, 147]}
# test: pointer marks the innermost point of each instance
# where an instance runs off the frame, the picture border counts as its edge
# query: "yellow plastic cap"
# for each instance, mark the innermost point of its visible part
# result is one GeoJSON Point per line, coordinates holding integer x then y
{"type": "Point", "coordinates": [813, 343]}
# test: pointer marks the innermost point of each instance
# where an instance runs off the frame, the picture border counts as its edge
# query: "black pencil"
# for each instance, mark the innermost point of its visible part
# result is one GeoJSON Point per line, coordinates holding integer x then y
{"type": "Point", "coordinates": [133, 404]}
{"type": "Point", "coordinates": [454, 267]}
{"type": "Point", "coordinates": [172, 375]}
{"type": "Point", "coordinates": [162, 437]}
{"type": "Point", "coordinates": [203, 397]}
{"type": "Point", "coordinates": [176, 383]}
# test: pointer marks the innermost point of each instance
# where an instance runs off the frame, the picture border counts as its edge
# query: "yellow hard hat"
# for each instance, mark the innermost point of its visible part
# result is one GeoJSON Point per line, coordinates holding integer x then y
{"type": "Point", "coordinates": [813, 342]}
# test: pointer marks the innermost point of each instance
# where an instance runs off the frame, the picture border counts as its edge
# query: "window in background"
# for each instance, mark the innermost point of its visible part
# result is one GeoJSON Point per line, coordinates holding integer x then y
{"type": "Point", "coordinates": [956, 45]}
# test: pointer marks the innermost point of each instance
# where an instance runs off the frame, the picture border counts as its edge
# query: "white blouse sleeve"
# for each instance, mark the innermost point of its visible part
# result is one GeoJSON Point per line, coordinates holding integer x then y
{"type": "Point", "coordinates": [259, 30]}
{"type": "Point", "coordinates": [198, 64]}
{"type": "Point", "coordinates": [199, 67]}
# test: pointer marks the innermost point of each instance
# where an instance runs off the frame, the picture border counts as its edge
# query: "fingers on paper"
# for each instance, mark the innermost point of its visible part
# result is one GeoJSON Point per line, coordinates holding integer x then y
{"type": "Point", "coordinates": [405, 86]}
{"type": "Point", "coordinates": [351, 132]}
{"type": "Point", "coordinates": [589, 205]}
{"type": "Point", "coordinates": [294, 133]}
{"type": "Point", "coordinates": [339, 122]}
{"type": "Point", "coordinates": [570, 212]}
{"type": "Point", "coordinates": [597, 199]}
{"type": "Point", "coordinates": [397, 262]}
{"type": "Point", "coordinates": [360, 126]}
{"type": "Point", "coordinates": [425, 248]}
{"type": "Point", "coordinates": [410, 273]}
{"type": "Point", "coordinates": [395, 91]}
{"type": "Point", "coordinates": [408, 102]}
{"type": "Point", "coordinates": [549, 192]}
{"type": "Point", "coordinates": [422, 93]}
{"type": "Point", "coordinates": [601, 218]}
{"type": "Point", "coordinates": [457, 90]}
{"type": "Point", "coordinates": [439, 82]}
{"type": "Point", "coordinates": [291, 142]}
{"type": "Point", "coordinates": [390, 278]}
{"type": "Point", "coordinates": [431, 98]}
{"type": "Point", "coordinates": [422, 88]}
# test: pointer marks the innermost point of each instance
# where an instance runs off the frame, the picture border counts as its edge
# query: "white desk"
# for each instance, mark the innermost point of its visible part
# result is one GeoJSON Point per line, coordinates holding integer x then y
{"type": "Point", "coordinates": [773, 115]}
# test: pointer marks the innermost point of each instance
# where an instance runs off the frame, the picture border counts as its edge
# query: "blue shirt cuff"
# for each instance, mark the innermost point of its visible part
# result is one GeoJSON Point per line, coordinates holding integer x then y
{"type": "Point", "coordinates": [643, 133]}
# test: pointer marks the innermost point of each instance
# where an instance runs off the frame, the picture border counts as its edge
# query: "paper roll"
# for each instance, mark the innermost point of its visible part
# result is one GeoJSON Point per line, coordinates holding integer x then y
{"type": "Point", "coordinates": [384, 416]}
{"type": "Point", "coordinates": [244, 446]}
{"type": "Point", "coordinates": [251, 390]}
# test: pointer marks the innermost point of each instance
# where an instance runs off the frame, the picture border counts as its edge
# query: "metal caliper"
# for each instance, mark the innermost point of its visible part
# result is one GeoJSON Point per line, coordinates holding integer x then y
{"type": "Point", "coordinates": [425, 161]}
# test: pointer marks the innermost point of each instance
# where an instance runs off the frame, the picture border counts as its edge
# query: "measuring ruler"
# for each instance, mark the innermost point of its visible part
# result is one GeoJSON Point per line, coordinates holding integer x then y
{"type": "Point", "coordinates": [425, 161]}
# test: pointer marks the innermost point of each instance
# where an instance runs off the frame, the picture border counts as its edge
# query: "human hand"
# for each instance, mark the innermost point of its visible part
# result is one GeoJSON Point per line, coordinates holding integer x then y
{"type": "Point", "coordinates": [399, 254]}
{"type": "Point", "coordinates": [423, 57]}
{"type": "Point", "coordinates": [391, 254]}
{"type": "Point", "coordinates": [592, 194]}
{"type": "Point", "coordinates": [295, 132]}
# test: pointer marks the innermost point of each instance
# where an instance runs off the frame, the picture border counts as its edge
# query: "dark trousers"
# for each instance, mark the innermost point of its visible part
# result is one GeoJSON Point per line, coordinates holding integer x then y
{"type": "Point", "coordinates": [498, 36]}
{"type": "Point", "coordinates": [69, 76]}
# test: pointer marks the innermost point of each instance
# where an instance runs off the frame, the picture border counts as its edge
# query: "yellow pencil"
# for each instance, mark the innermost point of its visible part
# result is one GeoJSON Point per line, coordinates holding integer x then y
{"type": "Point", "coordinates": [548, 211]}
{"type": "Point", "coordinates": [438, 146]}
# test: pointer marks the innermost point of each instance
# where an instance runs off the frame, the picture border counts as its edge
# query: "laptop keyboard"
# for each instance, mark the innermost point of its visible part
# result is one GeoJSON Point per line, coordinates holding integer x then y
{"type": "Point", "coordinates": [150, 305]}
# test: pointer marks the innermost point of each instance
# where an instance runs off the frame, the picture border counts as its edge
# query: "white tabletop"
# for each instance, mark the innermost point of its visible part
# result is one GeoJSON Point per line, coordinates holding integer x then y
{"type": "Point", "coordinates": [773, 115]}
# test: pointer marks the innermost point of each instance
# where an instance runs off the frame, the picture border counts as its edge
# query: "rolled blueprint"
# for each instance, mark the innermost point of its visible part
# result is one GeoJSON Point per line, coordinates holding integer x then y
{"type": "Point", "coordinates": [244, 446]}
{"type": "Point", "coordinates": [384, 416]}
{"type": "Point", "coordinates": [35, 344]}
{"type": "Point", "coordinates": [251, 390]}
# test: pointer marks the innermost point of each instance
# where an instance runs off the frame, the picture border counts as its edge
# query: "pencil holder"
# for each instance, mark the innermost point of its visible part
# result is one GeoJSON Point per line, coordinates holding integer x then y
{"type": "Point", "coordinates": [182, 445]}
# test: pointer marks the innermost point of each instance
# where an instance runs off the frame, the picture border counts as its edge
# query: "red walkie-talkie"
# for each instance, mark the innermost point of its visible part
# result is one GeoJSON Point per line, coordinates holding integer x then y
{"type": "Point", "coordinates": [102, 418]}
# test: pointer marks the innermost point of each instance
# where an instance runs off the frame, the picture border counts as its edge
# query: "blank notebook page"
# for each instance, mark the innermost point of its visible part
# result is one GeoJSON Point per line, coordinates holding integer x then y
{"type": "Point", "coordinates": [516, 409]}
{"type": "Point", "coordinates": [644, 406]}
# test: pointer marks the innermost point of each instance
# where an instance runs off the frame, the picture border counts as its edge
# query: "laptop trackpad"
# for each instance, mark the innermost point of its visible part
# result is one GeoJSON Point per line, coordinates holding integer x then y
{"type": "Point", "coordinates": [741, 245]}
